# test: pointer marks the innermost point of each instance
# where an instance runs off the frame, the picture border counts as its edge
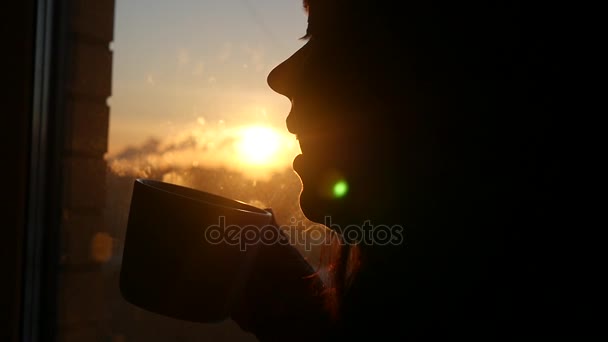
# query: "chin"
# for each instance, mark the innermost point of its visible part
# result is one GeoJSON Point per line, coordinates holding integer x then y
{"type": "Point", "coordinates": [313, 207]}
{"type": "Point", "coordinates": [319, 209]}
{"type": "Point", "coordinates": [316, 198]}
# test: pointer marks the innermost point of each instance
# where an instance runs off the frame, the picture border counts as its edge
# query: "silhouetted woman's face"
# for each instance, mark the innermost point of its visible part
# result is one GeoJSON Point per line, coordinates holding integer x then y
{"type": "Point", "coordinates": [339, 107]}
{"type": "Point", "coordinates": [394, 103]}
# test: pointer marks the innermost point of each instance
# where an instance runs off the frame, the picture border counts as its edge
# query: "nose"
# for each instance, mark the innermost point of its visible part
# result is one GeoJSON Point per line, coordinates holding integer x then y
{"type": "Point", "coordinates": [278, 79]}
{"type": "Point", "coordinates": [282, 79]}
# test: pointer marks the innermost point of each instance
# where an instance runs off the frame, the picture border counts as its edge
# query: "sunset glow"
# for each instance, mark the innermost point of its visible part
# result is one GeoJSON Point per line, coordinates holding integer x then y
{"type": "Point", "coordinates": [190, 91]}
{"type": "Point", "coordinates": [258, 145]}
{"type": "Point", "coordinates": [176, 61]}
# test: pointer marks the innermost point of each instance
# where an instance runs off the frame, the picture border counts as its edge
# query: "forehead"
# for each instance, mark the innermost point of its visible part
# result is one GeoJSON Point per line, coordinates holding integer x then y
{"type": "Point", "coordinates": [347, 19]}
{"type": "Point", "coordinates": [333, 13]}
{"type": "Point", "coordinates": [324, 5]}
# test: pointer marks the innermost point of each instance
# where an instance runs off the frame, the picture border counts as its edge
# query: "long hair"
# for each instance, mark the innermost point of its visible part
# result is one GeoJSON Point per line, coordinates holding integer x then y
{"type": "Point", "coordinates": [339, 263]}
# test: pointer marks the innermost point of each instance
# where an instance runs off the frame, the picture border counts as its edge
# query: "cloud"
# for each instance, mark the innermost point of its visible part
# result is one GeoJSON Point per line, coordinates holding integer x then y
{"type": "Point", "coordinates": [211, 146]}
{"type": "Point", "coordinates": [151, 145]}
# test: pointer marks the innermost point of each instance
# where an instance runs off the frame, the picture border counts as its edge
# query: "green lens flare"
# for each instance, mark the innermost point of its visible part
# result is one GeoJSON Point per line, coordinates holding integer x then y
{"type": "Point", "coordinates": [340, 189]}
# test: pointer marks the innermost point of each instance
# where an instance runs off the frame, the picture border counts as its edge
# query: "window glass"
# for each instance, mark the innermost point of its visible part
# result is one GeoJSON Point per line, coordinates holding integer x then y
{"type": "Point", "coordinates": [189, 105]}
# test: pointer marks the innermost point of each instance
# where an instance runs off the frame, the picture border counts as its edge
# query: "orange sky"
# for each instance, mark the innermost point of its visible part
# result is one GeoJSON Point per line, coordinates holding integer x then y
{"type": "Point", "coordinates": [189, 68]}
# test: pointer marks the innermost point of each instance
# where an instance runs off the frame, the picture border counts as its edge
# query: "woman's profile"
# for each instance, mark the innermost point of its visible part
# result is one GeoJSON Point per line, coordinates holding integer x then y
{"type": "Point", "coordinates": [435, 117]}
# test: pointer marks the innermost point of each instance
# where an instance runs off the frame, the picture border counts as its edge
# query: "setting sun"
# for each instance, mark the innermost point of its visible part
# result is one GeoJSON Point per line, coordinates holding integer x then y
{"type": "Point", "coordinates": [258, 145]}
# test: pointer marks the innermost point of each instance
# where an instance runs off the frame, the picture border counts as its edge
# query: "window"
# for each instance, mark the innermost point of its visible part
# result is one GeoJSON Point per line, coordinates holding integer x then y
{"type": "Point", "coordinates": [173, 91]}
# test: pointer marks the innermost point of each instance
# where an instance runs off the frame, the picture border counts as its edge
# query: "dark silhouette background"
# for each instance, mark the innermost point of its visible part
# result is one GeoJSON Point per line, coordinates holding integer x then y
{"type": "Point", "coordinates": [445, 118]}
